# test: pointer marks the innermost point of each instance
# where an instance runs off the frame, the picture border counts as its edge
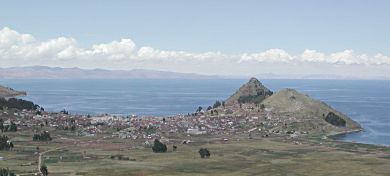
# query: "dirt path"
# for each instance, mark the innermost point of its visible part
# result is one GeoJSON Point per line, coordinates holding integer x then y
{"type": "Point", "coordinates": [75, 143]}
{"type": "Point", "coordinates": [40, 155]}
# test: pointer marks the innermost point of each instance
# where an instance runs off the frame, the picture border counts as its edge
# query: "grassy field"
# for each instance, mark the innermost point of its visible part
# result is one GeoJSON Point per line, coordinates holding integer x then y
{"type": "Point", "coordinates": [70, 155]}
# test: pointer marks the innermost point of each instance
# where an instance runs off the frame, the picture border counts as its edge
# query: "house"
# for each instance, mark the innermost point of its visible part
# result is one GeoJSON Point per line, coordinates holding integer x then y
{"type": "Point", "coordinates": [195, 131]}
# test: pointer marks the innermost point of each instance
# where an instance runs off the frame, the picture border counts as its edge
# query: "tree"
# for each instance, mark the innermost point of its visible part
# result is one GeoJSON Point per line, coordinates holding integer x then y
{"type": "Point", "coordinates": [5, 143]}
{"type": "Point", "coordinates": [64, 112]}
{"type": "Point", "coordinates": [217, 104]}
{"type": "Point", "coordinates": [18, 104]}
{"type": "Point", "coordinates": [262, 106]}
{"type": "Point", "coordinates": [223, 103]}
{"type": "Point", "coordinates": [204, 153]}
{"type": "Point", "coordinates": [44, 170]}
{"type": "Point", "coordinates": [209, 108]}
{"type": "Point", "coordinates": [199, 109]}
{"type": "Point", "coordinates": [6, 172]}
{"type": "Point", "coordinates": [159, 147]}
{"type": "Point", "coordinates": [13, 127]}
{"type": "Point", "coordinates": [45, 136]}
{"type": "Point", "coordinates": [2, 125]}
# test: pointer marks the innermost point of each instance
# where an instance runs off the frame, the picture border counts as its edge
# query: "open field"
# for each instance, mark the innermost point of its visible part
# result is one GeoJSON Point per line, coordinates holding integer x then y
{"type": "Point", "coordinates": [71, 155]}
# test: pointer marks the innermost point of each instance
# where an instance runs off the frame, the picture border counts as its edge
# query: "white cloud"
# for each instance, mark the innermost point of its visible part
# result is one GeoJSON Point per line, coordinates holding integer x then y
{"type": "Point", "coordinates": [312, 56]}
{"type": "Point", "coordinates": [151, 53]}
{"type": "Point", "coordinates": [9, 37]}
{"type": "Point", "coordinates": [271, 55]}
{"type": "Point", "coordinates": [114, 50]}
{"type": "Point", "coordinates": [18, 49]}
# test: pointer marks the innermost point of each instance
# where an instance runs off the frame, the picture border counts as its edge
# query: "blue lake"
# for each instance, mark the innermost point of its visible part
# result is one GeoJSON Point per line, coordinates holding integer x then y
{"type": "Point", "coordinates": [367, 102]}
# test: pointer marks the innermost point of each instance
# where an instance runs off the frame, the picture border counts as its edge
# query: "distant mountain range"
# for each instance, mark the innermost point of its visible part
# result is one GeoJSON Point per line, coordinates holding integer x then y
{"type": "Point", "coordinates": [319, 76]}
{"type": "Point", "coordinates": [43, 72]}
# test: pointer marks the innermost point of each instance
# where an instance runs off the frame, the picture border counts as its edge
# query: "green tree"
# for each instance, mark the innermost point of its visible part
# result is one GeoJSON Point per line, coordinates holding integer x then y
{"type": "Point", "coordinates": [2, 125]}
{"type": "Point", "coordinates": [44, 170]}
{"type": "Point", "coordinates": [5, 143]}
{"type": "Point", "coordinates": [199, 109]}
{"type": "Point", "coordinates": [13, 127]}
{"type": "Point", "coordinates": [217, 104]}
{"type": "Point", "coordinates": [6, 172]}
{"type": "Point", "coordinates": [159, 147]}
{"type": "Point", "coordinates": [204, 153]}
{"type": "Point", "coordinates": [45, 136]}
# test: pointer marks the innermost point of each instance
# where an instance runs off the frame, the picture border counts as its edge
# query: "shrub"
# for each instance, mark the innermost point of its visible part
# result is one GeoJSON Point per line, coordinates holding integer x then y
{"type": "Point", "coordinates": [45, 136]}
{"type": "Point", "coordinates": [159, 147]}
{"type": "Point", "coordinates": [217, 104]}
{"type": "Point", "coordinates": [335, 120]}
{"type": "Point", "coordinates": [6, 172]}
{"type": "Point", "coordinates": [204, 153]}
{"type": "Point", "coordinates": [5, 143]}
{"type": "Point", "coordinates": [18, 104]}
{"type": "Point", "coordinates": [44, 170]}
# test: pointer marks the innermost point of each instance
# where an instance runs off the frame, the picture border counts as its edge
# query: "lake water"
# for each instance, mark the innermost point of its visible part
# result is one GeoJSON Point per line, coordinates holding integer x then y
{"type": "Point", "coordinates": [367, 102]}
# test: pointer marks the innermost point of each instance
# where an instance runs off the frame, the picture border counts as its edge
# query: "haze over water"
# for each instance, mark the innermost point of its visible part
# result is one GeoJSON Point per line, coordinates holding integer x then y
{"type": "Point", "coordinates": [366, 102]}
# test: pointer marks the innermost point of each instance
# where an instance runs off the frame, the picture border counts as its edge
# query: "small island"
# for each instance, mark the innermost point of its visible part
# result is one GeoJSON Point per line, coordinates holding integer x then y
{"type": "Point", "coordinates": [254, 132]}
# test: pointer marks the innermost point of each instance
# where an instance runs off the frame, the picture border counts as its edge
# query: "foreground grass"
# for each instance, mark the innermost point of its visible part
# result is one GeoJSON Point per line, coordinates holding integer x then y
{"type": "Point", "coordinates": [91, 156]}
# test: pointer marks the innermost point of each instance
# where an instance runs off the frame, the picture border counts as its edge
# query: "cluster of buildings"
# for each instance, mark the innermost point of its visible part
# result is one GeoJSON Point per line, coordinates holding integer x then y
{"type": "Point", "coordinates": [222, 121]}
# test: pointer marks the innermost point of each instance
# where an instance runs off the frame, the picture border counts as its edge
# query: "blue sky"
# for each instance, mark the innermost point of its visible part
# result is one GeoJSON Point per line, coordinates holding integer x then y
{"type": "Point", "coordinates": [332, 32]}
{"type": "Point", "coordinates": [200, 26]}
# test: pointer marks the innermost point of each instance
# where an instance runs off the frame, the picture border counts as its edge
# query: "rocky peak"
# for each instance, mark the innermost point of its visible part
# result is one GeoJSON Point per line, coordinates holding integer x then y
{"type": "Point", "coordinates": [251, 92]}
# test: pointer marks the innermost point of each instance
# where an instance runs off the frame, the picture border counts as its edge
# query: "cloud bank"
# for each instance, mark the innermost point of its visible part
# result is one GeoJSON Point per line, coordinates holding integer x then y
{"type": "Point", "coordinates": [18, 49]}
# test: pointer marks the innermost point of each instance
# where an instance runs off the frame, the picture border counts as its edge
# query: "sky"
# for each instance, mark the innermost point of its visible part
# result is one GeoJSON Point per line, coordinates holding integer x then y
{"type": "Point", "coordinates": [240, 37]}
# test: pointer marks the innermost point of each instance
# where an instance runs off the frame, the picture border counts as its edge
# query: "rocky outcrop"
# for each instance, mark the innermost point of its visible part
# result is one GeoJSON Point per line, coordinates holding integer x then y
{"type": "Point", "coordinates": [251, 92]}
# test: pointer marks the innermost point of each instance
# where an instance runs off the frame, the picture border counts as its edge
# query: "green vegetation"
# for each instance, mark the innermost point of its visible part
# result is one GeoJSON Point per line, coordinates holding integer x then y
{"type": "Point", "coordinates": [217, 104]}
{"type": "Point", "coordinates": [6, 172]}
{"type": "Point", "coordinates": [44, 136]}
{"type": "Point", "coordinates": [5, 143]}
{"type": "Point", "coordinates": [204, 153]}
{"type": "Point", "coordinates": [199, 109]}
{"type": "Point", "coordinates": [64, 112]}
{"type": "Point", "coordinates": [257, 156]}
{"type": "Point", "coordinates": [119, 157]}
{"type": "Point", "coordinates": [159, 147]}
{"type": "Point", "coordinates": [18, 104]}
{"type": "Point", "coordinates": [251, 92]}
{"type": "Point", "coordinates": [44, 170]}
{"type": "Point", "coordinates": [335, 120]}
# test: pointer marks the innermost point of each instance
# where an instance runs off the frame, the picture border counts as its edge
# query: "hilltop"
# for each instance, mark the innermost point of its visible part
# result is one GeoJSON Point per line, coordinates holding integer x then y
{"type": "Point", "coordinates": [6, 92]}
{"type": "Point", "coordinates": [251, 92]}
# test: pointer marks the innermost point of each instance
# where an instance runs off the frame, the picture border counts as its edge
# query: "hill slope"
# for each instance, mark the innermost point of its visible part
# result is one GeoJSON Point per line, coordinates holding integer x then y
{"type": "Point", "coordinates": [310, 113]}
{"type": "Point", "coordinates": [9, 92]}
